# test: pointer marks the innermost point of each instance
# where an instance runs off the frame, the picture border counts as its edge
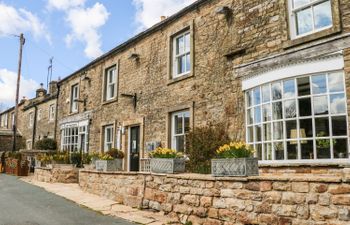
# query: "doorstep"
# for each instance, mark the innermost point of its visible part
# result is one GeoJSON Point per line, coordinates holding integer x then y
{"type": "Point", "coordinates": [103, 205]}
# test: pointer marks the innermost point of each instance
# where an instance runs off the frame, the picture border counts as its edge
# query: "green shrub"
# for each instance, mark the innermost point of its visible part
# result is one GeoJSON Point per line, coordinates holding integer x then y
{"type": "Point", "coordinates": [76, 159]}
{"type": "Point", "coordinates": [46, 144]}
{"type": "Point", "coordinates": [116, 153]}
{"type": "Point", "coordinates": [201, 146]}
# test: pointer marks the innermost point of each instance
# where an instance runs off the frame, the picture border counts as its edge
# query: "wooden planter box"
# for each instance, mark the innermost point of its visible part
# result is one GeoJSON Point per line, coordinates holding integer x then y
{"type": "Point", "coordinates": [234, 167]}
{"type": "Point", "coordinates": [109, 165]}
{"type": "Point", "coordinates": [17, 167]}
{"type": "Point", "coordinates": [160, 165]}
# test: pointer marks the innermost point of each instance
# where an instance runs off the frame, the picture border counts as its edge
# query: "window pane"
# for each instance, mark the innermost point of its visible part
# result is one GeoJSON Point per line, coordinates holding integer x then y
{"type": "Point", "coordinates": [335, 82]}
{"type": "Point", "coordinates": [305, 107]}
{"type": "Point", "coordinates": [278, 130]}
{"type": "Point", "coordinates": [183, 64]}
{"type": "Point", "coordinates": [323, 147]}
{"type": "Point", "coordinates": [277, 110]}
{"type": "Point", "coordinates": [187, 121]}
{"type": "Point", "coordinates": [304, 21]}
{"type": "Point", "coordinates": [323, 15]}
{"type": "Point", "coordinates": [290, 110]}
{"type": "Point", "coordinates": [303, 86]}
{"type": "Point", "coordinates": [258, 149]}
{"type": "Point", "coordinates": [320, 105]}
{"type": "Point", "coordinates": [180, 65]}
{"type": "Point", "coordinates": [179, 45]}
{"type": "Point", "coordinates": [292, 150]}
{"type": "Point", "coordinates": [279, 150]}
{"type": "Point", "coordinates": [298, 3]}
{"type": "Point", "coordinates": [340, 148]}
{"type": "Point", "coordinates": [276, 91]}
{"type": "Point", "coordinates": [319, 84]}
{"type": "Point", "coordinates": [256, 94]}
{"type": "Point", "coordinates": [266, 93]}
{"type": "Point", "coordinates": [322, 127]}
{"type": "Point", "coordinates": [180, 143]}
{"type": "Point", "coordinates": [337, 103]}
{"type": "Point", "coordinates": [268, 151]}
{"type": "Point", "coordinates": [305, 128]}
{"type": "Point", "coordinates": [291, 129]}
{"type": "Point", "coordinates": [267, 132]}
{"type": "Point", "coordinates": [187, 42]}
{"type": "Point", "coordinates": [307, 149]}
{"type": "Point", "coordinates": [188, 62]}
{"type": "Point", "coordinates": [250, 135]}
{"type": "Point", "coordinates": [258, 133]}
{"type": "Point", "coordinates": [178, 124]}
{"type": "Point", "coordinates": [250, 116]}
{"type": "Point", "coordinates": [266, 112]}
{"type": "Point", "coordinates": [257, 114]}
{"type": "Point", "coordinates": [289, 88]}
{"type": "Point", "coordinates": [339, 126]}
{"type": "Point", "coordinates": [249, 98]}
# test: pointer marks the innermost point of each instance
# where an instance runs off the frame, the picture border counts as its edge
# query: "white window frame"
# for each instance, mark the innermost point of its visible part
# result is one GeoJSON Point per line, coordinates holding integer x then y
{"type": "Point", "coordinates": [12, 118]}
{"type": "Point", "coordinates": [52, 112]}
{"type": "Point", "coordinates": [108, 144]}
{"type": "Point", "coordinates": [183, 133]}
{"type": "Point", "coordinates": [74, 97]}
{"type": "Point", "coordinates": [4, 120]}
{"type": "Point", "coordinates": [297, 118]}
{"type": "Point", "coordinates": [176, 57]}
{"type": "Point", "coordinates": [292, 18]}
{"type": "Point", "coordinates": [31, 119]}
{"type": "Point", "coordinates": [111, 83]}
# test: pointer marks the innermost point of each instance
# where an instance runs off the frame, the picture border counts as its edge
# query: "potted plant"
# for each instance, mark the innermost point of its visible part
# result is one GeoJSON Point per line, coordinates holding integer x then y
{"type": "Point", "coordinates": [234, 159]}
{"type": "Point", "coordinates": [110, 161]}
{"type": "Point", "coordinates": [87, 161]}
{"type": "Point", "coordinates": [164, 160]}
{"type": "Point", "coordinates": [61, 159]}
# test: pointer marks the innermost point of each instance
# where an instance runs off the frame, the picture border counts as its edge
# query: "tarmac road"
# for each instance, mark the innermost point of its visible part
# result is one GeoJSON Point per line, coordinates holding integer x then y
{"type": "Point", "coordinates": [24, 204]}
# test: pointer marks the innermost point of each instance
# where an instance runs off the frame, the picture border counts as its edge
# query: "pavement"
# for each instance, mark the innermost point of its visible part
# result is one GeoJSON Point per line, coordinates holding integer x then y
{"type": "Point", "coordinates": [25, 204]}
{"type": "Point", "coordinates": [99, 204]}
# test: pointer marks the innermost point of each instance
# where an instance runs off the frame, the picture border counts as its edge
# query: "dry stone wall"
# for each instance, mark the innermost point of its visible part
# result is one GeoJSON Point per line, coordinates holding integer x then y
{"type": "Point", "coordinates": [56, 175]}
{"type": "Point", "coordinates": [202, 199]}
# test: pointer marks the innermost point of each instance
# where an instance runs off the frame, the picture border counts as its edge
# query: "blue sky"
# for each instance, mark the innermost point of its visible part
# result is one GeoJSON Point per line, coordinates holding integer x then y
{"type": "Point", "coordinates": [73, 32]}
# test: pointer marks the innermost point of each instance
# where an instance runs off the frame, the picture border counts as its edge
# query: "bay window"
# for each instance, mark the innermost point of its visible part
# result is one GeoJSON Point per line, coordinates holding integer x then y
{"type": "Point", "coordinates": [301, 118]}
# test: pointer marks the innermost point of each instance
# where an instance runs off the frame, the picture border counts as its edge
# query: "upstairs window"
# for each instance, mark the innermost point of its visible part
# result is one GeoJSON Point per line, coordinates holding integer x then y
{"type": "Point", "coordinates": [4, 120]}
{"type": "Point", "coordinates": [74, 98]}
{"type": "Point", "coordinates": [52, 112]}
{"type": "Point", "coordinates": [108, 138]}
{"type": "Point", "coordinates": [31, 119]}
{"type": "Point", "coordinates": [309, 16]}
{"type": "Point", "coordinates": [181, 54]}
{"type": "Point", "coordinates": [303, 118]}
{"type": "Point", "coordinates": [110, 84]}
{"type": "Point", "coordinates": [12, 118]}
{"type": "Point", "coordinates": [39, 114]}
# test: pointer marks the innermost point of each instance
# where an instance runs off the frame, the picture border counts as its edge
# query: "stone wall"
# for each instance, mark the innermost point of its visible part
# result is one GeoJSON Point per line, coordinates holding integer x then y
{"type": "Point", "coordinates": [56, 174]}
{"type": "Point", "coordinates": [202, 199]}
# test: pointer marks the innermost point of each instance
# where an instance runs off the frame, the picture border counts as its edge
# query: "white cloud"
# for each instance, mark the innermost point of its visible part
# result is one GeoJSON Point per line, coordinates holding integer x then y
{"type": "Point", "coordinates": [13, 21]}
{"type": "Point", "coordinates": [148, 12]}
{"type": "Point", "coordinates": [84, 23]}
{"type": "Point", "coordinates": [64, 4]}
{"type": "Point", "coordinates": [8, 80]}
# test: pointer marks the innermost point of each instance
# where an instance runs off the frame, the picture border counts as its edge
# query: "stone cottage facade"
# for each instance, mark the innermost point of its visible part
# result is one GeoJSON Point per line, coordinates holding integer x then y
{"type": "Point", "coordinates": [36, 117]}
{"type": "Point", "coordinates": [275, 72]}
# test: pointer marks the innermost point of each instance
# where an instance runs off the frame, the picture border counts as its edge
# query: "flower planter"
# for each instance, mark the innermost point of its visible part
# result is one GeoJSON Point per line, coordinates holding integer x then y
{"type": "Point", "coordinates": [235, 167]}
{"type": "Point", "coordinates": [162, 165]}
{"type": "Point", "coordinates": [109, 165]}
{"type": "Point", "coordinates": [89, 166]}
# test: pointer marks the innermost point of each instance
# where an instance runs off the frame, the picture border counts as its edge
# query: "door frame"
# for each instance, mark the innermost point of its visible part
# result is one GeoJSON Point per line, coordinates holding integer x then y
{"type": "Point", "coordinates": [129, 145]}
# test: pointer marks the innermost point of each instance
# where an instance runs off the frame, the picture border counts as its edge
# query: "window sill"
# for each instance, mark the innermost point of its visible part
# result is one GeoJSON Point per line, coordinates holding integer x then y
{"type": "Point", "coordinates": [312, 37]}
{"type": "Point", "coordinates": [73, 113]}
{"type": "Point", "coordinates": [177, 79]}
{"type": "Point", "coordinates": [109, 101]}
{"type": "Point", "coordinates": [313, 163]}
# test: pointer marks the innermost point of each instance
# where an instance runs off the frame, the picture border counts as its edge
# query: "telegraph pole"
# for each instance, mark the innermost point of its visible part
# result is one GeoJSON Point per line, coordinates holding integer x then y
{"type": "Point", "coordinates": [21, 43]}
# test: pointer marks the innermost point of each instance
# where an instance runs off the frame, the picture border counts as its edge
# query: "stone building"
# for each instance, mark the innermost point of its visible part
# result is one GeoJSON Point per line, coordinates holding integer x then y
{"type": "Point", "coordinates": [36, 117]}
{"type": "Point", "coordinates": [276, 72]}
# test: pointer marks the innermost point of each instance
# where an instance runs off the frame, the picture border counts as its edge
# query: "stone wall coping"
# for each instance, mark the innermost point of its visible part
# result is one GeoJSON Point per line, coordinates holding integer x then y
{"type": "Point", "coordinates": [43, 168]}
{"type": "Point", "coordinates": [208, 177]}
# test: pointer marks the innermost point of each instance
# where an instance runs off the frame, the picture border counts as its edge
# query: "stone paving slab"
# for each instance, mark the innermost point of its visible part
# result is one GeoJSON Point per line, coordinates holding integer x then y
{"type": "Point", "coordinates": [105, 206]}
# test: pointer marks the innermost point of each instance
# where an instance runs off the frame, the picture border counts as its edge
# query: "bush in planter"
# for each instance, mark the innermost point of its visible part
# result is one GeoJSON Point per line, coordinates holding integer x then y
{"type": "Point", "coordinates": [116, 153]}
{"type": "Point", "coordinates": [61, 158]}
{"type": "Point", "coordinates": [164, 160]}
{"type": "Point", "coordinates": [201, 146]}
{"type": "Point", "coordinates": [46, 144]}
{"type": "Point", "coordinates": [107, 162]}
{"type": "Point", "coordinates": [234, 159]}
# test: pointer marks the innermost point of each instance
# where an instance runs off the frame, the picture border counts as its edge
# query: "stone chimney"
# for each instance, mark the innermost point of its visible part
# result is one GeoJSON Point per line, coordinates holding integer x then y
{"type": "Point", "coordinates": [41, 91]}
{"type": "Point", "coordinates": [162, 18]}
{"type": "Point", "coordinates": [53, 87]}
{"type": "Point", "coordinates": [23, 99]}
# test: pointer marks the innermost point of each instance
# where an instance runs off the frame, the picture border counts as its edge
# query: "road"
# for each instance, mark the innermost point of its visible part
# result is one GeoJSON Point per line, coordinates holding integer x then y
{"type": "Point", "coordinates": [24, 204]}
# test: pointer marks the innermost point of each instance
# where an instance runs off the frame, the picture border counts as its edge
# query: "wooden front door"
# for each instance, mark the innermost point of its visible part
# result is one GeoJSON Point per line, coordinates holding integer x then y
{"type": "Point", "coordinates": [134, 156]}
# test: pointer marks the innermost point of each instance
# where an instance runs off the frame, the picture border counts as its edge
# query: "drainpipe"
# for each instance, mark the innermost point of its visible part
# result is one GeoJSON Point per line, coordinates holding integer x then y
{"type": "Point", "coordinates": [34, 125]}
{"type": "Point", "coordinates": [56, 116]}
